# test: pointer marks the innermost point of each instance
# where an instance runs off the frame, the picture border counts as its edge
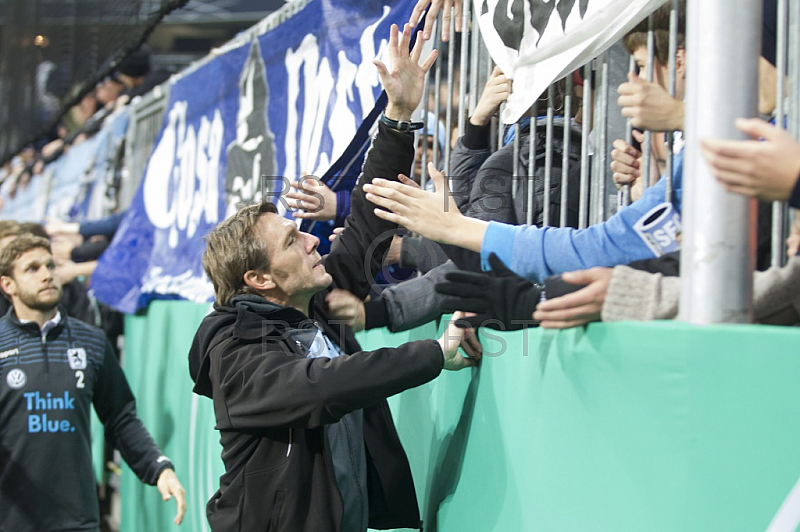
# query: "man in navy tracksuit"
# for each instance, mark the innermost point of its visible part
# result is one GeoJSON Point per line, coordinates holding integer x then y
{"type": "Point", "coordinates": [52, 369]}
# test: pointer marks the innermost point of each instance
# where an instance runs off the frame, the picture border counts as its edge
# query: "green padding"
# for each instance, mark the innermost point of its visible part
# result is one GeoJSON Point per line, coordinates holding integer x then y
{"type": "Point", "coordinates": [156, 347]}
{"type": "Point", "coordinates": [617, 427]}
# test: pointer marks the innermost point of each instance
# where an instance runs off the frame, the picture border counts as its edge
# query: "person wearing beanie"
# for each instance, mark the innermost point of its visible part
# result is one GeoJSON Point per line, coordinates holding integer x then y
{"type": "Point", "coordinates": [136, 74]}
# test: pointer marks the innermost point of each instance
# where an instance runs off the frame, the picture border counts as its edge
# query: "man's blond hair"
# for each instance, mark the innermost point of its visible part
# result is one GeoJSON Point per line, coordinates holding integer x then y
{"type": "Point", "coordinates": [233, 248]}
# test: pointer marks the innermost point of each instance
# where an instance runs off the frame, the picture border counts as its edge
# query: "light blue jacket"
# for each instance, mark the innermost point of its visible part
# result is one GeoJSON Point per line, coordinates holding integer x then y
{"type": "Point", "coordinates": [538, 252]}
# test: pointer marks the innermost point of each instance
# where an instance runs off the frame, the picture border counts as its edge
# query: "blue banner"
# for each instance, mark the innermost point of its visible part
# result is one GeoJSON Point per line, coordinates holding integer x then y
{"type": "Point", "coordinates": [268, 108]}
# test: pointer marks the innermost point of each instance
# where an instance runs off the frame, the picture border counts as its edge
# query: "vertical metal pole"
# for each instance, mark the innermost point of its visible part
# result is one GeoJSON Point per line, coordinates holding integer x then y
{"type": "Point", "coordinates": [778, 251]}
{"type": "Point", "coordinates": [723, 38]}
{"type": "Point", "coordinates": [624, 193]}
{"type": "Point", "coordinates": [647, 149]}
{"type": "Point", "coordinates": [548, 158]}
{"type": "Point", "coordinates": [426, 93]}
{"type": "Point", "coordinates": [501, 130]}
{"type": "Point", "coordinates": [531, 164]}
{"type": "Point", "coordinates": [437, 104]}
{"type": "Point", "coordinates": [475, 47]}
{"type": "Point", "coordinates": [515, 163]}
{"type": "Point", "coordinates": [451, 63]}
{"type": "Point", "coordinates": [462, 67]}
{"type": "Point", "coordinates": [601, 153]}
{"type": "Point", "coordinates": [794, 69]}
{"type": "Point", "coordinates": [673, 77]}
{"type": "Point", "coordinates": [585, 129]}
{"type": "Point", "coordinates": [562, 222]}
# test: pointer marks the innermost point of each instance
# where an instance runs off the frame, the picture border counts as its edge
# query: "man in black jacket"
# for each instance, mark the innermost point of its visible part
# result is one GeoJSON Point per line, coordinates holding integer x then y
{"type": "Point", "coordinates": [52, 369]}
{"type": "Point", "coordinates": [308, 439]}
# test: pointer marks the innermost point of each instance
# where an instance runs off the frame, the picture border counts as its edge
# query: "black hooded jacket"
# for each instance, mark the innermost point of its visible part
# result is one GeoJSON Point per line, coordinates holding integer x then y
{"type": "Point", "coordinates": [273, 404]}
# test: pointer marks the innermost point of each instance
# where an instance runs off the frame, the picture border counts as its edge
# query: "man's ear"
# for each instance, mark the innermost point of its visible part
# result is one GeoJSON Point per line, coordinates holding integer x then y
{"type": "Point", "coordinates": [260, 281]}
{"type": "Point", "coordinates": [6, 284]}
{"type": "Point", "coordinates": [680, 62]}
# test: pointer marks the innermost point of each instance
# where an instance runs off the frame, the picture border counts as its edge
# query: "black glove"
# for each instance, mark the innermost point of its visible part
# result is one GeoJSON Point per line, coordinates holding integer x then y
{"type": "Point", "coordinates": [502, 299]}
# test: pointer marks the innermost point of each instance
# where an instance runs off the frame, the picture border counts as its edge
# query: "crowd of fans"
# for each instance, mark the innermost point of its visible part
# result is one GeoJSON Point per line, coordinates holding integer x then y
{"type": "Point", "coordinates": [503, 249]}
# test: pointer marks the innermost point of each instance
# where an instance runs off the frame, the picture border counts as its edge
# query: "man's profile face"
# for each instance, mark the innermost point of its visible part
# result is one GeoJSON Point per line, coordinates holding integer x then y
{"type": "Point", "coordinates": [661, 72]}
{"type": "Point", "coordinates": [34, 283]}
{"type": "Point", "coordinates": [295, 265]}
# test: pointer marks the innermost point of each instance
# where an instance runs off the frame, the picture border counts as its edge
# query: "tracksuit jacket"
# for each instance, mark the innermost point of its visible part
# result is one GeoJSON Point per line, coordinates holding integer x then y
{"type": "Point", "coordinates": [309, 443]}
{"type": "Point", "coordinates": [539, 252]}
{"type": "Point", "coordinates": [47, 387]}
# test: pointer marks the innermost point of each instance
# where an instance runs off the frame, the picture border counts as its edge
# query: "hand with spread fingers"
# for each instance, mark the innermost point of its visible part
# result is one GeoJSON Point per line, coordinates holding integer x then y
{"type": "Point", "coordinates": [404, 78]}
{"type": "Point", "coordinates": [500, 298]}
{"type": "Point", "coordinates": [449, 8]}
{"type": "Point", "coordinates": [314, 199]}
{"type": "Point", "coordinates": [577, 308]}
{"type": "Point", "coordinates": [433, 215]}
{"type": "Point", "coordinates": [767, 169]}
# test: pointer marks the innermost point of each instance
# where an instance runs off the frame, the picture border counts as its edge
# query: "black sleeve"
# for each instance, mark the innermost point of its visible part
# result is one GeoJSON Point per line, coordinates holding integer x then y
{"type": "Point", "coordinates": [356, 255]}
{"type": "Point", "coordinates": [476, 137]}
{"type": "Point", "coordinates": [116, 408]}
{"type": "Point", "coordinates": [294, 392]}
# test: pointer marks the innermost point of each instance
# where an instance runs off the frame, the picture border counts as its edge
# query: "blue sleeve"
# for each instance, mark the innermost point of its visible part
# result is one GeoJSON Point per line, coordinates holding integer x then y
{"type": "Point", "coordinates": [104, 226]}
{"type": "Point", "coordinates": [538, 252]}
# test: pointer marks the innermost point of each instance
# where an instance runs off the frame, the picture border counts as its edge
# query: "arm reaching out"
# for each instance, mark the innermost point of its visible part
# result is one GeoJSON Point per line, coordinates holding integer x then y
{"type": "Point", "coordinates": [447, 7]}
{"type": "Point", "coordinates": [578, 307]}
{"type": "Point", "coordinates": [767, 169]}
{"type": "Point", "coordinates": [434, 215]}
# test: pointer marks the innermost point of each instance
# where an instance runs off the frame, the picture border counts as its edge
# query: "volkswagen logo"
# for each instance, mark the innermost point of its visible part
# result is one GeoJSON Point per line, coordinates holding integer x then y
{"type": "Point", "coordinates": [16, 379]}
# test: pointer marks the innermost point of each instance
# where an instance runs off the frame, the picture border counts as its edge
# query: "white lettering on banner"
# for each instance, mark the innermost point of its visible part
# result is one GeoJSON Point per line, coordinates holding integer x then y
{"type": "Point", "coordinates": [181, 182]}
{"type": "Point", "coordinates": [186, 285]}
{"type": "Point", "coordinates": [325, 105]}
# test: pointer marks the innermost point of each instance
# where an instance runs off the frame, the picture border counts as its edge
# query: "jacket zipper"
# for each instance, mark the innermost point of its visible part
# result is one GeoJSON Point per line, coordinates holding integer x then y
{"type": "Point", "coordinates": [289, 447]}
{"type": "Point", "coordinates": [46, 358]}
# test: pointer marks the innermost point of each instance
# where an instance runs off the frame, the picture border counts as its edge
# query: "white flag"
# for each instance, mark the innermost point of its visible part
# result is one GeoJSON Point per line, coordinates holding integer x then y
{"type": "Point", "coordinates": [536, 42]}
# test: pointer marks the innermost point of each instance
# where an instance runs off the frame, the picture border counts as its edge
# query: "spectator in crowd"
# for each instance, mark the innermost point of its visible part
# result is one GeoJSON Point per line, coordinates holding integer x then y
{"type": "Point", "coordinates": [648, 104]}
{"type": "Point", "coordinates": [494, 192]}
{"type": "Point", "coordinates": [138, 76]}
{"type": "Point", "coordinates": [46, 477]}
{"type": "Point", "coordinates": [107, 91]}
{"type": "Point", "coordinates": [83, 242]}
{"type": "Point", "coordinates": [532, 252]}
{"type": "Point", "coordinates": [295, 407]}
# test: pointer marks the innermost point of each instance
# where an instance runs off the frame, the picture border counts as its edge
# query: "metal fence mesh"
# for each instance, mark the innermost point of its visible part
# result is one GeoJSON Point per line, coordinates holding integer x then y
{"type": "Point", "coordinates": [52, 52]}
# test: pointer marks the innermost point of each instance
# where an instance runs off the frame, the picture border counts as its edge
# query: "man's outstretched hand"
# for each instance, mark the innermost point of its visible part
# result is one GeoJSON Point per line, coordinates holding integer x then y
{"type": "Point", "coordinates": [449, 8]}
{"type": "Point", "coordinates": [404, 77]}
{"type": "Point", "coordinates": [500, 298]}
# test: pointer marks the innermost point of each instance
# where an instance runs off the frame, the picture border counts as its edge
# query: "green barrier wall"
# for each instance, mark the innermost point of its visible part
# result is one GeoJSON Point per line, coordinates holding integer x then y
{"type": "Point", "coordinates": [616, 427]}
